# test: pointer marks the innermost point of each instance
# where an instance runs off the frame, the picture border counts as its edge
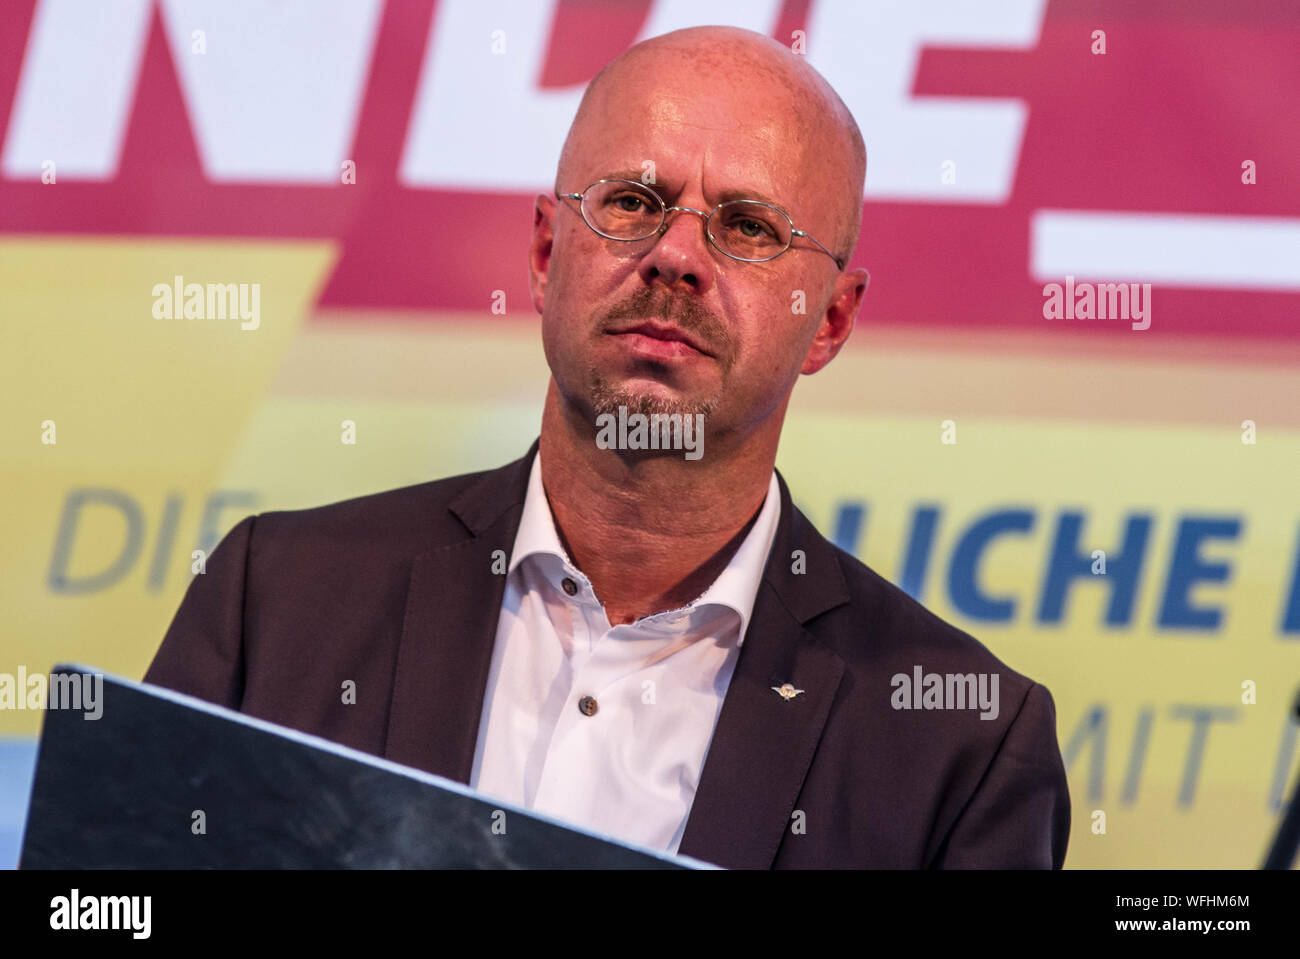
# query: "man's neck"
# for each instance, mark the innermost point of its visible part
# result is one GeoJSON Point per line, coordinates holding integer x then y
{"type": "Point", "coordinates": [650, 533]}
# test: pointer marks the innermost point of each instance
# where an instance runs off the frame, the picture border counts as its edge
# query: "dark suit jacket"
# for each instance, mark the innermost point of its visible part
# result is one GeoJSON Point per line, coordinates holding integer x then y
{"type": "Point", "coordinates": [396, 592]}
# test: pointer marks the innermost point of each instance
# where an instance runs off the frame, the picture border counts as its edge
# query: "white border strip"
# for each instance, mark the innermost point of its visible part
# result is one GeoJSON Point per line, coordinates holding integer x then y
{"type": "Point", "coordinates": [1224, 252]}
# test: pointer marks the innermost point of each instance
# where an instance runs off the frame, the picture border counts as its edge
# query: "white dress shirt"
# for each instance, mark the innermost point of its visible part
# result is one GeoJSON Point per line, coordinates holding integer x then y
{"type": "Point", "coordinates": [630, 767]}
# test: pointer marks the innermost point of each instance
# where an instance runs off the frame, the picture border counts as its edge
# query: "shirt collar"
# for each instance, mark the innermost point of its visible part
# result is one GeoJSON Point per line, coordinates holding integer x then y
{"type": "Point", "coordinates": [736, 586]}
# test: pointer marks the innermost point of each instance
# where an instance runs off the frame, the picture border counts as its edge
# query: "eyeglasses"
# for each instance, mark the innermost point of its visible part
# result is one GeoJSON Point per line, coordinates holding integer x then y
{"type": "Point", "coordinates": [747, 230]}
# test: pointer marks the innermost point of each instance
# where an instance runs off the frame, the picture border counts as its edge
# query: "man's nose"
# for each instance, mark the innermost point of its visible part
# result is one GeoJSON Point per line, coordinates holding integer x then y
{"type": "Point", "coordinates": [681, 252]}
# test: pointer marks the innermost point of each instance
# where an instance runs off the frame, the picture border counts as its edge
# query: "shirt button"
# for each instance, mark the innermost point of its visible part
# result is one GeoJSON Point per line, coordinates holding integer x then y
{"type": "Point", "coordinates": [569, 585]}
{"type": "Point", "coordinates": [587, 705]}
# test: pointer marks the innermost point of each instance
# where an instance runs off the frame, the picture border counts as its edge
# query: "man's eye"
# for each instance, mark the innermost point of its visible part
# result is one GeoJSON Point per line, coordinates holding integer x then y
{"type": "Point", "coordinates": [754, 229]}
{"type": "Point", "coordinates": [630, 203]}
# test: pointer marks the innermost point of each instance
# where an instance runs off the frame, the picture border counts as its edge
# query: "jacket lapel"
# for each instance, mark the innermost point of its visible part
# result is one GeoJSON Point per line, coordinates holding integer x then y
{"type": "Point", "coordinates": [764, 743]}
{"type": "Point", "coordinates": [453, 604]}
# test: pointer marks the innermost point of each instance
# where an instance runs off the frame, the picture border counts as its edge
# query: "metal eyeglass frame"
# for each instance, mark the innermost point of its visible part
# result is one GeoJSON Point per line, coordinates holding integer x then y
{"type": "Point", "coordinates": [665, 209]}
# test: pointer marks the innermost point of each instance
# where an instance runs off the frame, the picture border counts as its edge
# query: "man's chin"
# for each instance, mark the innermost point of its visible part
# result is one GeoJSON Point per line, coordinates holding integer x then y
{"type": "Point", "coordinates": [648, 403]}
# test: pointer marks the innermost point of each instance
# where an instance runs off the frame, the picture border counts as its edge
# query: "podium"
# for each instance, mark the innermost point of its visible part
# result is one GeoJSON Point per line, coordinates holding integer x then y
{"type": "Point", "coordinates": [164, 780]}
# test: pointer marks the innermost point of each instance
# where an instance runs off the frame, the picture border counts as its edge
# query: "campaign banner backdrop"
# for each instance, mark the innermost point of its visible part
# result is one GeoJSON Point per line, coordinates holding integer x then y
{"type": "Point", "coordinates": [261, 256]}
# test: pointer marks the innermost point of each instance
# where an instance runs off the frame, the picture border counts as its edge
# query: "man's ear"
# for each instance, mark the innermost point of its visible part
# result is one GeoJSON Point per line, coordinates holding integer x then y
{"type": "Point", "coordinates": [539, 250]}
{"type": "Point", "coordinates": [837, 321]}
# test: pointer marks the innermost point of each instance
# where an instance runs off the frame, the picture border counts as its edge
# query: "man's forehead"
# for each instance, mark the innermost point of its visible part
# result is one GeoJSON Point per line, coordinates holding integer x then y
{"type": "Point", "coordinates": [695, 99]}
{"type": "Point", "coordinates": [679, 139]}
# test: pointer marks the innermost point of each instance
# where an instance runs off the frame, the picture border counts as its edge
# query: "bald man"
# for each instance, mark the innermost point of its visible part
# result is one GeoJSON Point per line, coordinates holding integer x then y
{"type": "Point", "coordinates": [632, 628]}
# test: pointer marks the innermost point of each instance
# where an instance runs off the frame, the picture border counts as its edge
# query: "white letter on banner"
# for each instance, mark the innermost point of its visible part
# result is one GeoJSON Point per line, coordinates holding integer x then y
{"type": "Point", "coordinates": [480, 121]}
{"type": "Point", "coordinates": [275, 97]}
{"type": "Point", "coordinates": [869, 52]}
{"type": "Point", "coordinates": [75, 91]}
{"type": "Point", "coordinates": [278, 93]}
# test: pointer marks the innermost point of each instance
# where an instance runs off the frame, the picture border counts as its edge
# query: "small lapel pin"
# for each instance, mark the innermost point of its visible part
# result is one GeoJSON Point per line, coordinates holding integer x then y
{"type": "Point", "coordinates": [786, 691]}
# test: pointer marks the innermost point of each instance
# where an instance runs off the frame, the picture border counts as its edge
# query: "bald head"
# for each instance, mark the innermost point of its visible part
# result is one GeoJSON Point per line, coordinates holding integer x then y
{"type": "Point", "coordinates": [764, 109]}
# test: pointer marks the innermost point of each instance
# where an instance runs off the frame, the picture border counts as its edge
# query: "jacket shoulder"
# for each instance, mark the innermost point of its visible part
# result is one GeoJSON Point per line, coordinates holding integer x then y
{"type": "Point", "coordinates": [407, 519]}
{"type": "Point", "coordinates": [883, 623]}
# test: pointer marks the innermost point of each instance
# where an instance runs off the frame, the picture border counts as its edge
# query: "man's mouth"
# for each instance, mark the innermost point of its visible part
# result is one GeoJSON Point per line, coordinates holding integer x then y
{"type": "Point", "coordinates": [647, 332]}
